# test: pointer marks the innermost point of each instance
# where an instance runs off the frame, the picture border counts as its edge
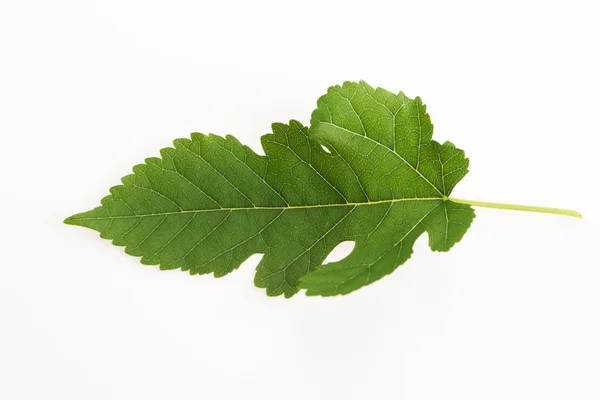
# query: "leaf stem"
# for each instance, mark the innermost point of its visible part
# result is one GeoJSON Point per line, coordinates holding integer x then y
{"type": "Point", "coordinates": [503, 206]}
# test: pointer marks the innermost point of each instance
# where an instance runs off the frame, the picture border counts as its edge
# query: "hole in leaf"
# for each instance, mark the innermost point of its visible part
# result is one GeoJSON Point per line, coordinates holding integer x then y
{"type": "Point", "coordinates": [325, 149]}
{"type": "Point", "coordinates": [340, 252]}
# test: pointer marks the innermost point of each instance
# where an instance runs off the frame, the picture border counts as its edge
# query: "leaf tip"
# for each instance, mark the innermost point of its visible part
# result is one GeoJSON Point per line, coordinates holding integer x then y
{"type": "Point", "coordinates": [73, 220]}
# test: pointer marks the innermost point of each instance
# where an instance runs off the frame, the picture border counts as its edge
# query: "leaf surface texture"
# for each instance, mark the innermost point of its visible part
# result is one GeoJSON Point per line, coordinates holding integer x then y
{"type": "Point", "coordinates": [209, 202]}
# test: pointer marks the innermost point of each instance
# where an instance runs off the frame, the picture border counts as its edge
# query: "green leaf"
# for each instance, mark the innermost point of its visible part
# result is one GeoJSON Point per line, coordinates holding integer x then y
{"type": "Point", "coordinates": [368, 171]}
{"type": "Point", "coordinates": [210, 202]}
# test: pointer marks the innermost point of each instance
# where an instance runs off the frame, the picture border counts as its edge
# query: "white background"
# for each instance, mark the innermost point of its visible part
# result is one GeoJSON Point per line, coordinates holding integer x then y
{"type": "Point", "coordinates": [90, 88]}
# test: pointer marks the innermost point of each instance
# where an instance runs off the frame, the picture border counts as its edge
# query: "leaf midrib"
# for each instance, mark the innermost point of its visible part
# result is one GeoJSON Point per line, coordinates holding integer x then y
{"type": "Point", "coordinates": [365, 203]}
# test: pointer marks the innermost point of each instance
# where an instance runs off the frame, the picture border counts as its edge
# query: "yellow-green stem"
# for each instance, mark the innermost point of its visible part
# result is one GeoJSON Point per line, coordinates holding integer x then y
{"type": "Point", "coordinates": [503, 206]}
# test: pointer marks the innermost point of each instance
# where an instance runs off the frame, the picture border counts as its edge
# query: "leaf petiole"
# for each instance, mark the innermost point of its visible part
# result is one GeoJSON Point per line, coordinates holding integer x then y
{"type": "Point", "coordinates": [503, 206]}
